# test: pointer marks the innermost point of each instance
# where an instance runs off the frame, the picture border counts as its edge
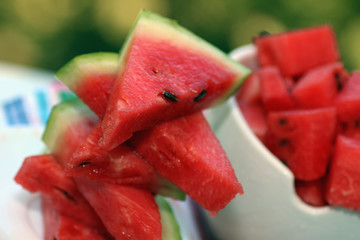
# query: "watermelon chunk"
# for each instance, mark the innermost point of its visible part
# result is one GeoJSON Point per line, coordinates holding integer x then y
{"type": "Point", "coordinates": [137, 214]}
{"type": "Point", "coordinates": [303, 140]}
{"type": "Point", "coordinates": [43, 174]}
{"type": "Point", "coordinates": [165, 72]}
{"type": "Point", "coordinates": [91, 77]}
{"type": "Point", "coordinates": [348, 107]}
{"type": "Point", "coordinates": [250, 92]}
{"type": "Point", "coordinates": [255, 117]}
{"type": "Point", "coordinates": [343, 182]}
{"type": "Point", "coordinates": [70, 122]}
{"type": "Point", "coordinates": [296, 52]}
{"type": "Point", "coordinates": [60, 227]}
{"type": "Point", "coordinates": [312, 192]}
{"type": "Point", "coordinates": [274, 92]}
{"type": "Point", "coordinates": [320, 86]}
{"type": "Point", "coordinates": [204, 172]}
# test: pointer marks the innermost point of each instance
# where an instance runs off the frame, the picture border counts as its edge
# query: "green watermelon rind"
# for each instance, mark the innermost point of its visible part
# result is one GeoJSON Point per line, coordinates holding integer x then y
{"type": "Point", "coordinates": [62, 115]}
{"type": "Point", "coordinates": [170, 226]}
{"type": "Point", "coordinates": [193, 41]}
{"type": "Point", "coordinates": [72, 73]}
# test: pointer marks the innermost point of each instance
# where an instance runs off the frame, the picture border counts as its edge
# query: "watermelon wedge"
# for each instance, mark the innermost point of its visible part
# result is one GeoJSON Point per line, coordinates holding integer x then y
{"type": "Point", "coordinates": [203, 172]}
{"type": "Point", "coordinates": [61, 227]}
{"type": "Point", "coordinates": [198, 160]}
{"type": "Point", "coordinates": [137, 214]}
{"type": "Point", "coordinates": [43, 174]}
{"type": "Point", "coordinates": [69, 126]}
{"type": "Point", "coordinates": [70, 122]}
{"type": "Point", "coordinates": [165, 72]}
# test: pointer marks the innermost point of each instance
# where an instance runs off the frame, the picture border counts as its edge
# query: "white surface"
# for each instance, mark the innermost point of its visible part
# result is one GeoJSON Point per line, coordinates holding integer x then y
{"type": "Point", "coordinates": [20, 213]}
{"type": "Point", "coordinates": [269, 208]}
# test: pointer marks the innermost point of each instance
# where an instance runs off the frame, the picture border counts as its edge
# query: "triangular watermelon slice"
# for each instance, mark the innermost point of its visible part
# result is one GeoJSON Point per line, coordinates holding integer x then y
{"type": "Point", "coordinates": [165, 72]}
{"type": "Point", "coordinates": [188, 132]}
{"type": "Point", "coordinates": [137, 214]}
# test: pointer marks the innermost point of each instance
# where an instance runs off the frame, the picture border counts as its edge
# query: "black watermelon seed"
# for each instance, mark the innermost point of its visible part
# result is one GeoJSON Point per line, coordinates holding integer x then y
{"type": "Point", "coordinates": [339, 84]}
{"type": "Point", "coordinates": [264, 33]}
{"type": "Point", "coordinates": [170, 96]}
{"type": "Point", "coordinates": [67, 195]}
{"type": "Point", "coordinates": [282, 121]}
{"type": "Point", "coordinates": [284, 142]}
{"type": "Point", "coordinates": [83, 164]}
{"type": "Point", "coordinates": [200, 96]}
{"type": "Point", "coordinates": [357, 123]}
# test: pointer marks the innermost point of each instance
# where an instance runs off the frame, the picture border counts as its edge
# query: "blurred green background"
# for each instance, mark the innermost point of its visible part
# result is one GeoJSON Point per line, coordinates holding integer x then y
{"type": "Point", "coordinates": [47, 33]}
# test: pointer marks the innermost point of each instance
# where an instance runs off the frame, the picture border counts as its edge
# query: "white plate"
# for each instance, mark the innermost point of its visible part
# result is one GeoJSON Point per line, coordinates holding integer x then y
{"type": "Point", "coordinates": [269, 208]}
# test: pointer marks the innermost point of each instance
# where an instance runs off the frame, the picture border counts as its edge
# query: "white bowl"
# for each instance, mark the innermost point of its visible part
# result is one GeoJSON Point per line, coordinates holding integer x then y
{"type": "Point", "coordinates": [269, 208]}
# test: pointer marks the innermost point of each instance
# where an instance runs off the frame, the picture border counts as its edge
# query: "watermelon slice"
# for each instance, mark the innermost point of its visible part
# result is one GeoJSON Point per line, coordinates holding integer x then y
{"type": "Point", "coordinates": [348, 107]}
{"type": "Point", "coordinates": [320, 86]}
{"type": "Point", "coordinates": [203, 172]}
{"type": "Point", "coordinates": [296, 52]}
{"type": "Point", "coordinates": [165, 72]}
{"type": "Point", "coordinates": [68, 127]}
{"type": "Point", "coordinates": [43, 174]}
{"type": "Point", "coordinates": [70, 122]}
{"type": "Point", "coordinates": [274, 92]}
{"type": "Point", "coordinates": [343, 182]}
{"type": "Point", "coordinates": [91, 77]}
{"type": "Point", "coordinates": [303, 140]}
{"type": "Point", "coordinates": [137, 214]}
{"type": "Point", "coordinates": [61, 227]}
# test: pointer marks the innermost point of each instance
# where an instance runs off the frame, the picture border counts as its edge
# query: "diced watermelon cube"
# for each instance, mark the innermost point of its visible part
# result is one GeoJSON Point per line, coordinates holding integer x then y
{"type": "Point", "coordinates": [274, 92]}
{"type": "Point", "coordinates": [295, 52]}
{"type": "Point", "coordinates": [127, 212]}
{"type": "Point", "coordinates": [312, 192]}
{"type": "Point", "coordinates": [348, 107]}
{"type": "Point", "coordinates": [343, 184]}
{"type": "Point", "coordinates": [320, 86]}
{"type": "Point", "coordinates": [58, 226]}
{"type": "Point", "coordinates": [303, 140]}
{"type": "Point", "coordinates": [249, 92]}
{"type": "Point", "coordinates": [255, 117]}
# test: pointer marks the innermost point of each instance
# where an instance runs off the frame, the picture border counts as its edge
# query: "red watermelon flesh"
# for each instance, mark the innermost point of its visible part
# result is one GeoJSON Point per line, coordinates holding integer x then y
{"type": "Point", "coordinates": [320, 86]}
{"type": "Point", "coordinates": [343, 182]}
{"type": "Point", "coordinates": [296, 52]}
{"type": "Point", "coordinates": [249, 92]}
{"type": "Point", "coordinates": [167, 72]}
{"type": "Point", "coordinates": [274, 92]}
{"type": "Point", "coordinates": [255, 117]}
{"type": "Point", "coordinates": [58, 226]}
{"type": "Point", "coordinates": [348, 107]}
{"type": "Point", "coordinates": [204, 172]}
{"type": "Point", "coordinates": [312, 192]}
{"type": "Point", "coordinates": [43, 174]}
{"type": "Point", "coordinates": [100, 86]}
{"type": "Point", "coordinates": [303, 140]}
{"type": "Point", "coordinates": [127, 212]}
{"type": "Point", "coordinates": [122, 165]}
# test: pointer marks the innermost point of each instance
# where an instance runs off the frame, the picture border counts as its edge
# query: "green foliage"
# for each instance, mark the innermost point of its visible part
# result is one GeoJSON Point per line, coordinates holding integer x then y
{"type": "Point", "coordinates": [47, 33]}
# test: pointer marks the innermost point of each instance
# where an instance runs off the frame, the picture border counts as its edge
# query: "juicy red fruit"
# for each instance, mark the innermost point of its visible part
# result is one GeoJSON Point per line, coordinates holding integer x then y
{"type": "Point", "coordinates": [303, 140]}
{"type": "Point", "coordinates": [298, 51]}
{"type": "Point", "coordinates": [344, 177]}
